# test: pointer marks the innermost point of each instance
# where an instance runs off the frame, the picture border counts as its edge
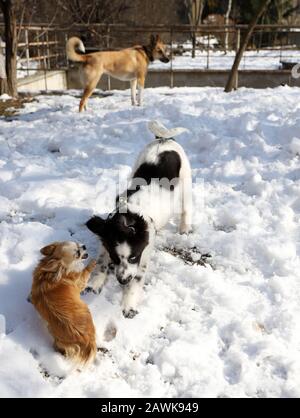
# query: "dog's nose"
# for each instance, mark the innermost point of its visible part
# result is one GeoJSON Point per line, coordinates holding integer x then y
{"type": "Point", "coordinates": [83, 247]}
{"type": "Point", "coordinates": [123, 281]}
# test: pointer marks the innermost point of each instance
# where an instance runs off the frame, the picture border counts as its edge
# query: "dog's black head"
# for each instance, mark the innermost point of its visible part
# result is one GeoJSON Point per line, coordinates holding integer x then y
{"type": "Point", "coordinates": [125, 236]}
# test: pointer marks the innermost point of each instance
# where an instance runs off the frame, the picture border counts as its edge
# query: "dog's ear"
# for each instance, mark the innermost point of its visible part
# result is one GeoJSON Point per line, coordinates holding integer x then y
{"type": "Point", "coordinates": [96, 225]}
{"type": "Point", "coordinates": [152, 40]}
{"type": "Point", "coordinates": [48, 250]}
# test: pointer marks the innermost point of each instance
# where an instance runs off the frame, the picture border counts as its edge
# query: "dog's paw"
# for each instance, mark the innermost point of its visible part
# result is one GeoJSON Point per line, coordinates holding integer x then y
{"type": "Point", "coordinates": [92, 265]}
{"type": "Point", "coordinates": [130, 313]}
{"type": "Point", "coordinates": [102, 350]}
{"type": "Point", "coordinates": [92, 290]}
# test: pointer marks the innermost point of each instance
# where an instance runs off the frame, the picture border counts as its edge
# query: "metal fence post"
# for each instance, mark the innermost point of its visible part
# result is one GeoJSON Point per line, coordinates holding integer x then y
{"type": "Point", "coordinates": [238, 44]}
{"type": "Point", "coordinates": [65, 53]}
{"type": "Point", "coordinates": [107, 45]}
{"type": "Point", "coordinates": [208, 55]}
{"type": "Point", "coordinates": [48, 51]}
{"type": "Point", "coordinates": [55, 49]}
{"type": "Point", "coordinates": [44, 49]}
{"type": "Point", "coordinates": [171, 66]}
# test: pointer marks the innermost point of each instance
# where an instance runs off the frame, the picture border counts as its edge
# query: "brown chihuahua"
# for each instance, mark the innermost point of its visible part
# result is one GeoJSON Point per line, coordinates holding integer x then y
{"type": "Point", "coordinates": [57, 282]}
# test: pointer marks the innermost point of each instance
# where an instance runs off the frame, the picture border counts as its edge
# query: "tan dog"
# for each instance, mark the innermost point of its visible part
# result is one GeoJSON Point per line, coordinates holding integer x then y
{"type": "Point", "coordinates": [130, 64]}
{"type": "Point", "coordinates": [57, 282]}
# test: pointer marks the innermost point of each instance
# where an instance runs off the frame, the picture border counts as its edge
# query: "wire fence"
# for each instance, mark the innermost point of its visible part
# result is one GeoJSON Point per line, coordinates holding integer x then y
{"type": "Point", "coordinates": [42, 48]}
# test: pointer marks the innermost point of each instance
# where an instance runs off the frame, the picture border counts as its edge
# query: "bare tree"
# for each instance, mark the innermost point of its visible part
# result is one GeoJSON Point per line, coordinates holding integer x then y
{"type": "Point", "coordinates": [195, 11]}
{"type": "Point", "coordinates": [234, 71]}
{"type": "Point", "coordinates": [9, 13]}
{"type": "Point", "coordinates": [93, 11]}
{"type": "Point", "coordinates": [227, 15]}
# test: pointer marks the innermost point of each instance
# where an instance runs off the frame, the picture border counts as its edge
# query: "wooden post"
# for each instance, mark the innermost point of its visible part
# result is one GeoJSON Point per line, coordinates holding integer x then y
{"type": "Point", "coordinates": [38, 45]}
{"type": "Point", "coordinates": [27, 50]}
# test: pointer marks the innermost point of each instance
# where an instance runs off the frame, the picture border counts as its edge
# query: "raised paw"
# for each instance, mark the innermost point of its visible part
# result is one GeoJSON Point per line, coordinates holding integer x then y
{"type": "Point", "coordinates": [90, 289]}
{"type": "Point", "coordinates": [102, 350]}
{"type": "Point", "coordinates": [130, 313]}
{"type": "Point", "coordinates": [92, 265]}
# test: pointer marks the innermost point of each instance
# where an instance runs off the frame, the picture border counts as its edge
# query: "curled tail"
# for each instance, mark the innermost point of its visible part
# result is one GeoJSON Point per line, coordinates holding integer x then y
{"type": "Point", "coordinates": [161, 132]}
{"type": "Point", "coordinates": [72, 45]}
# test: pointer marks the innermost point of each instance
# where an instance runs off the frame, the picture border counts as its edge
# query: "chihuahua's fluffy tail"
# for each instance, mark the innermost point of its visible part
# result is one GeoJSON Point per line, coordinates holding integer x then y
{"type": "Point", "coordinates": [73, 45]}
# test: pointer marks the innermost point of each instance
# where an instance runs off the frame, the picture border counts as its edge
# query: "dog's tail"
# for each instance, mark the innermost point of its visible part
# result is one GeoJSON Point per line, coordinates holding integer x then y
{"type": "Point", "coordinates": [161, 132]}
{"type": "Point", "coordinates": [75, 44]}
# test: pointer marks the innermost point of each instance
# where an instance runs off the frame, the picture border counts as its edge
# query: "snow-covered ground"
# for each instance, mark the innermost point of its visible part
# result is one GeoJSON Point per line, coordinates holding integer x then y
{"type": "Point", "coordinates": [217, 60]}
{"type": "Point", "coordinates": [229, 329]}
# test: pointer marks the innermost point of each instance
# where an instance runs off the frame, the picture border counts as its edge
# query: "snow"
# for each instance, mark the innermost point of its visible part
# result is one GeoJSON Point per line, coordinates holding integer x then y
{"type": "Point", "coordinates": [4, 97]}
{"type": "Point", "coordinates": [227, 329]}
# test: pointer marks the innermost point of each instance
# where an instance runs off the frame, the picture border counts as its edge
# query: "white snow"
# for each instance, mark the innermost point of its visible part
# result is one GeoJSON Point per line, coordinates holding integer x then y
{"type": "Point", "coordinates": [5, 97]}
{"type": "Point", "coordinates": [232, 329]}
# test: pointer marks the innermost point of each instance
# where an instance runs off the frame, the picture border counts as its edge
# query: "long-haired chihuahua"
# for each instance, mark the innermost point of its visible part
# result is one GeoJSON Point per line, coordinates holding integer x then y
{"type": "Point", "coordinates": [57, 282]}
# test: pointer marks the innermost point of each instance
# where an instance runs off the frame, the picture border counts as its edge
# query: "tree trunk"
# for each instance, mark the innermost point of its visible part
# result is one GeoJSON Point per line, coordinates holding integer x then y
{"type": "Point", "coordinates": [195, 8]}
{"type": "Point", "coordinates": [8, 10]}
{"type": "Point", "coordinates": [227, 15]}
{"type": "Point", "coordinates": [234, 71]}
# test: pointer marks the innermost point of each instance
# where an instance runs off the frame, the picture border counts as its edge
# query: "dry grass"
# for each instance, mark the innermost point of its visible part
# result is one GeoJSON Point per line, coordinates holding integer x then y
{"type": "Point", "coordinates": [190, 256]}
{"type": "Point", "coordinates": [10, 107]}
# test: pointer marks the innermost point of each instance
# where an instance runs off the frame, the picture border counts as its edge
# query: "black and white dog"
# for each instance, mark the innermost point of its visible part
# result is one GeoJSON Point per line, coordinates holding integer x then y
{"type": "Point", "coordinates": [160, 187]}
